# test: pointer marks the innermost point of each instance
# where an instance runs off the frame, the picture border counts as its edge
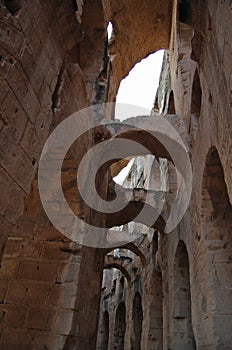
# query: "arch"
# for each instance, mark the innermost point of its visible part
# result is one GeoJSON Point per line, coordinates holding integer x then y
{"type": "Point", "coordinates": [130, 213]}
{"type": "Point", "coordinates": [121, 284]}
{"type": "Point", "coordinates": [171, 104]}
{"type": "Point", "coordinates": [182, 332]}
{"type": "Point", "coordinates": [155, 335]}
{"type": "Point", "coordinates": [137, 319]}
{"type": "Point", "coordinates": [119, 327]}
{"type": "Point", "coordinates": [184, 11]}
{"type": "Point", "coordinates": [126, 37]}
{"type": "Point", "coordinates": [105, 330]}
{"type": "Point", "coordinates": [196, 95]}
{"type": "Point", "coordinates": [134, 249]}
{"type": "Point", "coordinates": [155, 244]}
{"type": "Point", "coordinates": [139, 87]}
{"type": "Point", "coordinates": [215, 199]}
{"type": "Point", "coordinates": [216, 213]}
{"type": "Point", "coordinates": [196, 98]}
{"type": "Point", "coordinates": [13, 6]}
{"type": "Point", "coordinates": [120, 268]}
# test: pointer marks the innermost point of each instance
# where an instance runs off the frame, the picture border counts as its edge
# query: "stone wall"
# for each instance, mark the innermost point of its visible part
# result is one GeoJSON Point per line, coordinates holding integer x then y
{"type": "Point", "coordinates": [191, 306]}
{"type": "Point", "coordinates": [49, 66]}
{"type": "Point", "coordinates": [54, 60]}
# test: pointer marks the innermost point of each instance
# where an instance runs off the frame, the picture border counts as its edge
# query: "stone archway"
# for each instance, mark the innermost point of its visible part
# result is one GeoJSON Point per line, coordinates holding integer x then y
{"type": "Point", "coordinates": [216, 212]}
{"type": "Point", "coordinates": [182, 332]}
{"type": "Point", "coordinates": [155, 338]}
{"type": "Point", "coordinates": [137, 319]}
{"type": "Point", "coordinates": [119, 327]}
{"type": "Point", "coordinates": [105, 331]}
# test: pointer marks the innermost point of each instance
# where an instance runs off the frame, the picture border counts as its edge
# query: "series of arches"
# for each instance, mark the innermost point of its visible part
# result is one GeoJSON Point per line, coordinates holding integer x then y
{"type": "Point", "coordinates": [120, 326]}
{"type": "Point", "coordinates": [215, 236]}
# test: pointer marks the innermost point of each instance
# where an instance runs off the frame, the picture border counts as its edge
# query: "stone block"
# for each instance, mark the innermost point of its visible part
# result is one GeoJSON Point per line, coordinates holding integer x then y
{"type": "Point", "coordinates": [31, 104]}
{"type": "Point", "coordinates": [222, 256]}
{"type": "Point", "coordinates": [222, 331]}
{"type": "Point", "coordinates": [4, 89]}
{"type": "Point", "coordinates": [15, 161]}
{"type": "Point", "coordinates": [22, 90]}
{"type": "Point", "coordinates": [221, 301]}
{"type": "Point", "coordinates": [30, 142]}
{"type": "Point", "coordinates": [41, 319]}
{"type": "Point", "coordinates": [3, 289]}
{"type": "Point", "coordinates": [63, 321]}
{"type": "Point", "coordinates": [23, 229]}
{"type": "Point", "coordinates": [35, 75]}
{"type": "Point", "coordinates": [29, 339]}
{"type": "Point", "coordinates": [60, 251]}
{"type": "Point", "coordinates": [12, 316]}
{"type": "Point", "coordinates": [13, 116]}
{"type": "Point", "coordinates": [5, 229]}
{"type": "Point", "coordinates": [22, 248]}
{"type": "Point", "coordinates": [50, 320]}
{"type": "Point", "coordinates": [9, 268]}
{"type": "Point", "coordinates": [38, 270]}
{"type": "Point", "coordinates": [42, 125]}
{"type": "Point", "coordinates": [27, 293]}
{"type": "Point", "coordinates": [12, 37]}
{"type": "Point", "coordinates": [223, 274]}
{"type": "Point", "coordinates": [48, 234]}
{"type": "Point", "coordinates": [63, 294]}
{"type": "Point", "coordinates": [69, 272]}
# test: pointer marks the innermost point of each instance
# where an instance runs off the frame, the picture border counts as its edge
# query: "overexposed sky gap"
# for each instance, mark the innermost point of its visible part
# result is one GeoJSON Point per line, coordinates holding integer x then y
{"type": "Point", "coordinates": [139, 87]}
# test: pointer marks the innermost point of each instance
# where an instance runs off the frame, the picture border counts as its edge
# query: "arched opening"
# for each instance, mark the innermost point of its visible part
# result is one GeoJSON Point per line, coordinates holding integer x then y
{"type": "Point", "coordinates": [120, 268]}
{"type": "Point", "coordinates": [184, 11]}
{"type": "Point", "coordinates": [155, 337]}
{"type": "Point", "coordinates": [140, 85]}
{"type": "Point", "coordinates": [121, 284]}
{"type": "Point", "coordinates": [171, 104]}
{"type": "Point", "coordinates": [137, 319]}
{"type": "Point", "coordinates": [13, 6]}
{"type": "Point", "coordinates": [155, 245]}
{"type": "Point", "coordinates": [196, 98]}
{"type": "Point", "coordinates": [182, 331]}
{"type": "Point", "coordinates": [105, 331]}
{"type": "Point", "coordinates": [110, 30]}
{"type": "Point", "coordinates": [120, 327]}
{"type": "Point", "coordinates": [216, 214]}
{"type": "Point", "coordinates": [196, 95]}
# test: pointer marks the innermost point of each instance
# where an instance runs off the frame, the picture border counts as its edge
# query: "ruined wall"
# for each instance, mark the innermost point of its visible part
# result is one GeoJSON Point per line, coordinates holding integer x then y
{"type": "Point", "coordinates": [200, 81]}
{"type": "Point", "coordinates": [195, 259]}
{"type": "Point", "coordinates": [135, 282]}
{"type": "Point", "coordinates": [54, 61]}
{"type": "Point", "coordinates": [44, 54]}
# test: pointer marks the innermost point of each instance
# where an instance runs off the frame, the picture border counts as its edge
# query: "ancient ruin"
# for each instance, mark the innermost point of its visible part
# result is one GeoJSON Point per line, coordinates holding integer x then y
{"type": "Point", "coordinates": [151, 289]}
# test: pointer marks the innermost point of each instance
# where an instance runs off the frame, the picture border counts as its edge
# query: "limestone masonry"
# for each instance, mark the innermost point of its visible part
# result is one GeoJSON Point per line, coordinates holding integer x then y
{"type": "Point", "coordinates": [160, 291]}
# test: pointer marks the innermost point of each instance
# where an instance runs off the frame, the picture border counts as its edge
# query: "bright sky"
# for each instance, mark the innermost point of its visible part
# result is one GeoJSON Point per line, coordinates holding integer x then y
{"type": "Point", "coordinates": [139, 87]}
{"type": "Point", "coordinates": [119, 179]}
{"type": "Point", "coordinates": [109, 30]}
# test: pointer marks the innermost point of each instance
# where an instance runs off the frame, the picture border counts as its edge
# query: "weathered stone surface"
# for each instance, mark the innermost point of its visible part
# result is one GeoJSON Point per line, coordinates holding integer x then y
{"type": "Point", "coordinates": [162, 291]}
{"type": "Point", "coordinates": [27, 293]}
{"type": "Point", "coordinates": [39, 271]}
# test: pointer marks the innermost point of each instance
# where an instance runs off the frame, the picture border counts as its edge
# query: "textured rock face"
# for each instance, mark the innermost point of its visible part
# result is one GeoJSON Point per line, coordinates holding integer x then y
{"type": "Point", "coordinates": [48, 70]}
{"type": "Point", "coordinates": [177, 292]}
{"type": "Point", "coordinates": [139, 28]}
